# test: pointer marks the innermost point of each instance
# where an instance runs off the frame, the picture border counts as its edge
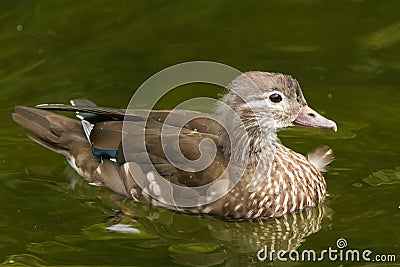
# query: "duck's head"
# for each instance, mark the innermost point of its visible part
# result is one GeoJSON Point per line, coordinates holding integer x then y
{"type": "Point", "coordinates": [273, 101]}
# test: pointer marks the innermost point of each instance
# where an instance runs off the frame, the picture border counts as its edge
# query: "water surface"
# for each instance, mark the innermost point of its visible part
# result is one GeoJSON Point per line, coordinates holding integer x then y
{"type": "Point", "coordinates": [346, 55]}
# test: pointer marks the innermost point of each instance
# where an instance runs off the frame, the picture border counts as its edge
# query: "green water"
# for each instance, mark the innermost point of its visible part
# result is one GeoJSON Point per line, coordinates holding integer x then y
{"type": "Point", "coordinates": [346, 55]}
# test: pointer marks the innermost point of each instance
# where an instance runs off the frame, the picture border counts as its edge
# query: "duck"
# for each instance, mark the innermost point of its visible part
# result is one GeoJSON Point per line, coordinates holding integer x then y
{"type": "Point", "coordinates": [228, 164]}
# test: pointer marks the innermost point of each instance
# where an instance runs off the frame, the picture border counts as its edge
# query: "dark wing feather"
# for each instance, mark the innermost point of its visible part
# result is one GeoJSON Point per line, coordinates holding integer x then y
{"type": "Point", "coordinates": [106, 135]}
{"type": "Point", "coordinates": [110, 113]}
{"type": "Point", "coordinates": [196, 120]}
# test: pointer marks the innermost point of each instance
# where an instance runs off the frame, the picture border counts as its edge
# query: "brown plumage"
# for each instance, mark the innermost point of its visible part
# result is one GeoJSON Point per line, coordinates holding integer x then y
{"type": "Point", "coordinates": [130, 157]}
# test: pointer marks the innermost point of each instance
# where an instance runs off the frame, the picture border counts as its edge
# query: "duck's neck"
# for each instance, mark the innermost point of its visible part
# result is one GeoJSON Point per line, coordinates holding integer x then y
{"type": "Point", "coordinates": [257, 143]}
{"type": "Point", "coordinates": [254, 151]}
{"type": "Point", "coordinates": [246, 138]}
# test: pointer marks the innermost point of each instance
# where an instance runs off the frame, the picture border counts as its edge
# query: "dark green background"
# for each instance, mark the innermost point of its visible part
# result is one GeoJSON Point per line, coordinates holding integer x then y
{"type": "Point", "coordinates": [346, 55]}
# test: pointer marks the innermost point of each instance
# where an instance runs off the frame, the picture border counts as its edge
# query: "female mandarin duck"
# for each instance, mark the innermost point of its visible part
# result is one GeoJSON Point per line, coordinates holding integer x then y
{"type": "Point", "coordinates": [275, 180]}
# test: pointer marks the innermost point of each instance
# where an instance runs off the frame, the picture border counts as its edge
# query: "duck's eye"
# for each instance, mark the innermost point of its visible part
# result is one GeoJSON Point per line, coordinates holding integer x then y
{"type": "Point", "coordinates": [275, 97]}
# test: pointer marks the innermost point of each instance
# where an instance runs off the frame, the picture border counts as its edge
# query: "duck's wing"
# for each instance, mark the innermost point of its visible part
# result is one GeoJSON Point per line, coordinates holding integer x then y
{"type": "Point", "coordinates": [84, 111]}
{"type": "Point", "coordinates": [89, 111]}
{"type": "Point", "coordinates": [157, 129]}
{"type": "Point", "coordinates": [95, 147]}
{"type": "Point", "coordinates": [154, 148]}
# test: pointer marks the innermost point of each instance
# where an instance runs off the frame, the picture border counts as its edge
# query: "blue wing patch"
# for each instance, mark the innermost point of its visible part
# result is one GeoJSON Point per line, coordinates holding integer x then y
{"type": "Point", "coordinates": [104, 153]}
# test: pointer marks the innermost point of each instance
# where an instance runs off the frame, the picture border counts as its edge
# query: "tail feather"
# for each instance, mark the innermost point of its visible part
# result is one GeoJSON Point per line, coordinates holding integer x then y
{"type": "Point", "coordinates": [66, 136]}
{"type": "Point", "coordinates": [321, 157]}
{"type": "Point", "coordinates": [49, 128]}
{"type": "Point", "coordinates": [34, 121]}
{"type": "Point", "coordinates": [50, 145]}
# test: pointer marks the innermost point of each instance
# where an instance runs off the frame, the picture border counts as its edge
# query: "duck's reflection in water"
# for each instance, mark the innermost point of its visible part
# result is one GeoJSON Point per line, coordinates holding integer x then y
{"type": "Point", "coordinates": [196, 241]}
